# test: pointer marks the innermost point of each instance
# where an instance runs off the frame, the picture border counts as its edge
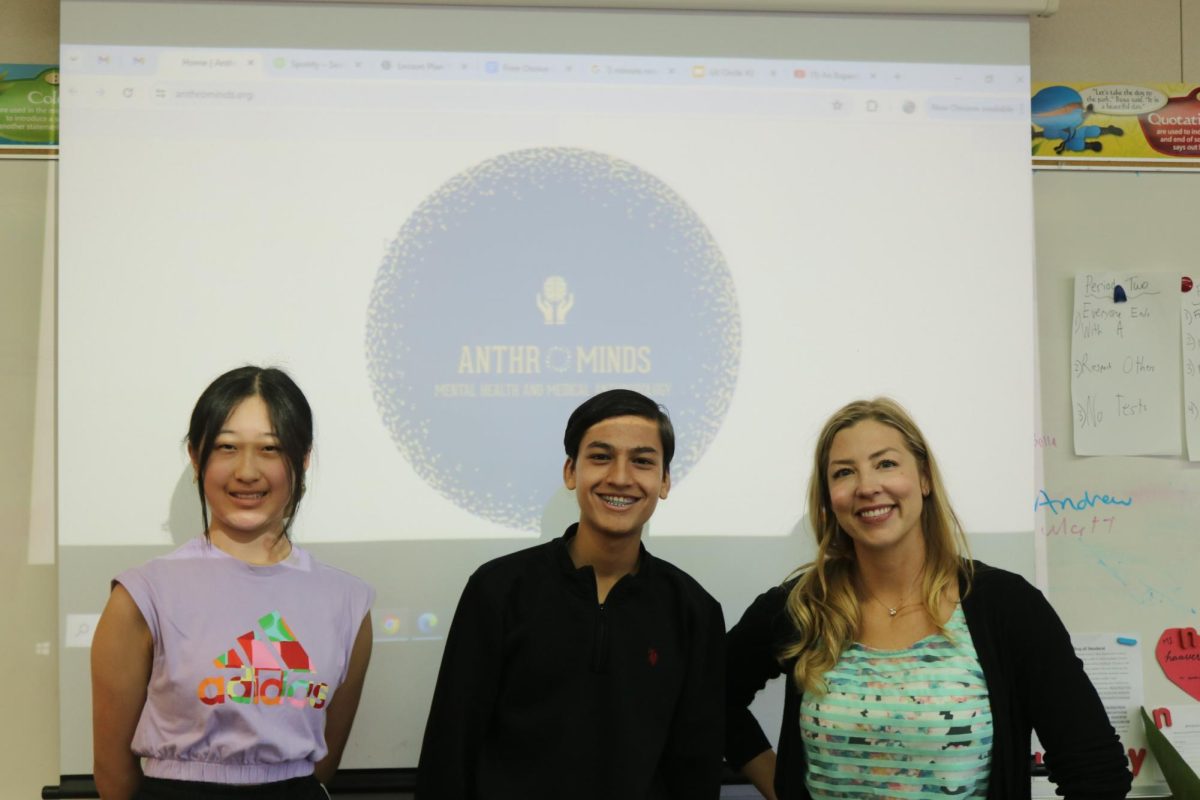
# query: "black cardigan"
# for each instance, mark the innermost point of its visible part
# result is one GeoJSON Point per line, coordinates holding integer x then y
{"type": "Point", "coordinates": [1035, 682]}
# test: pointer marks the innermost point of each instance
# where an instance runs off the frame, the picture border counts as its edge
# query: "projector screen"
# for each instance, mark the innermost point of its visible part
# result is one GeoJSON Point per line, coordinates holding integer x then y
{"type": "Point", "coordinates": [452, 226]}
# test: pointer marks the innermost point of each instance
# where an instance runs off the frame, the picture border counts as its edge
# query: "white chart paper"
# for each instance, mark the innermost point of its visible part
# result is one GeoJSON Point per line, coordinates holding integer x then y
{"type": "Point", "coordinates": [1113, 662]}
{"type": "Point", "coordinates": [1189, 313]}
{"type": "Point", "coordinates": [1125, 385]}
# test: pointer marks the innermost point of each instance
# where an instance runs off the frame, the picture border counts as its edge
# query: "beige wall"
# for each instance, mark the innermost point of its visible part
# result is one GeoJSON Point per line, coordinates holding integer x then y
{"type": "Point", "coordinates": [1152, 41]}
{"type": "Point", "coordinates": [28, 594]}
{"type": "Point", "coordinates": [1117, 40]}
{"type": "Point", "coordinates": [1111, 40]}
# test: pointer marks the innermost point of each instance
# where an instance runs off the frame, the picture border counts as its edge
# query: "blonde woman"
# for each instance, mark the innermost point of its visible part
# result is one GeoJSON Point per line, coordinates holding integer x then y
{"type": "Point", "coordinates": [913, 672]}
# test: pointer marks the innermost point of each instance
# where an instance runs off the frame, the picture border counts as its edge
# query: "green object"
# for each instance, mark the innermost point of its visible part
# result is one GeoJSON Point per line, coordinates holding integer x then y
{"type": "Point", "coordinates": [1180, 777]}
{"type": "Point", "coordinates": [28, 105]}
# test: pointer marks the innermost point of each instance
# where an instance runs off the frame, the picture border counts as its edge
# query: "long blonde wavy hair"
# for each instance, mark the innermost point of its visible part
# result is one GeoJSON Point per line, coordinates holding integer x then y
{"type": "Point", "coordinates": [823, 603]}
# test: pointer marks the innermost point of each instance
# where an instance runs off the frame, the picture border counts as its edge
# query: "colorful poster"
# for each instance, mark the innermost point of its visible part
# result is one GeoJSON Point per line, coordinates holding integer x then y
{"type": "Point", "coordinates": [28, 109]}
{"type": "Point", "coordinates": [1085, 124]}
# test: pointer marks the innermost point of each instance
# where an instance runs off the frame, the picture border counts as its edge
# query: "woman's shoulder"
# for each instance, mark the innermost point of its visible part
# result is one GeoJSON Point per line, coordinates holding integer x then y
{"type": "Point", "coordinates": [331, 573]}
{"type": "Point", "coordinates": [332, 580]}
{"type": "Point", "coordinates": [986, 578]}
{"type": "Point", "coordinates": [769, 609]}
{"type": "Point", "coordinates": [999, 592]}
{"type": "Point", "coordinates": [170, 563]}
{"type": "Point", "coordinates": [776, 596]}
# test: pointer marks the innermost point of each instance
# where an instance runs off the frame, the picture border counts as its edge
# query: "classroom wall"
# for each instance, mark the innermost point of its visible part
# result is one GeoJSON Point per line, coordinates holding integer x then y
{"type": "Point", "coordinates": [28, 594]}
{"type": "Point", "coordinates": [1117, 40]}
{"type": "Point", "coordinates": [1137, 575]}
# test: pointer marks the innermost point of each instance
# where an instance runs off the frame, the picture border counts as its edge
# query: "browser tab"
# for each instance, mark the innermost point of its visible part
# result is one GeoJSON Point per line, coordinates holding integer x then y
{"type": "Point", "coordinates": [209, 65]}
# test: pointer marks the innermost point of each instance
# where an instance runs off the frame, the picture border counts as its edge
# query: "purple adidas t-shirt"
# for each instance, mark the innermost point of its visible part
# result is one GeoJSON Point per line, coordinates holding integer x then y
{"type": "Point", "coordinates": [246, 660]}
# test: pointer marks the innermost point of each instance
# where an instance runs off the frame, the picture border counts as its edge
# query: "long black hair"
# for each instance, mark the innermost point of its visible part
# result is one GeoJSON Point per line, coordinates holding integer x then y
{"type": "Point", "coordinates": [289, 412]}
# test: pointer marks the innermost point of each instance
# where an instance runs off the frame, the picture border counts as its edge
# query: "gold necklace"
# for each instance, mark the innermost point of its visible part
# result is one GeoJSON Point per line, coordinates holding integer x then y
{"type": "Point", "coordinates": [892, 610]}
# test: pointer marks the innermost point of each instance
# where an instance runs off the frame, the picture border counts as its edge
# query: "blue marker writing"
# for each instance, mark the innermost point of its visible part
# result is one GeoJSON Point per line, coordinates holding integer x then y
{"type": "Point", "coordinates": [1125, 640]}
{"type": "Point", "coordinates": [1088, 500]}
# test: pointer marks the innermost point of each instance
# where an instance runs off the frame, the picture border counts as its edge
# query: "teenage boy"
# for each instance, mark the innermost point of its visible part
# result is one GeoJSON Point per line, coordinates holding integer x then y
{"type": "Point", "coordinates": [585, 668]}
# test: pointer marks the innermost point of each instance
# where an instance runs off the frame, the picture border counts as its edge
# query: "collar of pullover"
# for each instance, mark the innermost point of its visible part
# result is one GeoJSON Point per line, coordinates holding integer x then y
{"type": "Point", "coordinates": [583, 579]}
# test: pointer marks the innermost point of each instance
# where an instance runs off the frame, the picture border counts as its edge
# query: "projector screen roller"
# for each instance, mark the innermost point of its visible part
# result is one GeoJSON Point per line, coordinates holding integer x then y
{"type": "Point", "coordinates": [450, 246]}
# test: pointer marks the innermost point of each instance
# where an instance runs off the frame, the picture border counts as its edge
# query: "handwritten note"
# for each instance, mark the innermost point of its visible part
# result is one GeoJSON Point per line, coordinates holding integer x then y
{"type": "Point", "coordinates": [1190, 332]}
{"type": "Point", "coordinates": [1125, 383]}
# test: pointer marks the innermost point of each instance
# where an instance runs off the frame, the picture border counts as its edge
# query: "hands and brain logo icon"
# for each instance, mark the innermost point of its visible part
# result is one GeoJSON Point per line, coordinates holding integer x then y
{"type": "Point", "coordinates": [554, 301]}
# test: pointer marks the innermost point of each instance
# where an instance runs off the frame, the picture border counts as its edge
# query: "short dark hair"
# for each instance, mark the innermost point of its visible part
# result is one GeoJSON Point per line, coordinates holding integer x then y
{"type": "Point", "coordinates": [619, 403]}
{"type": "Point", "coordinates": [291, 418]}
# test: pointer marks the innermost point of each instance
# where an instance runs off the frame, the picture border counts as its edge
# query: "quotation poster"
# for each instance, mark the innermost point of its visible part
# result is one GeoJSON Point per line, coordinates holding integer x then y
{"type": "Point", "coordinates": [1143, 124]}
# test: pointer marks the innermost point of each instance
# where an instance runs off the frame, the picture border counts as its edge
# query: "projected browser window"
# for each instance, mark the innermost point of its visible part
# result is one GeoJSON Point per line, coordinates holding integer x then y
{"type": "Point", "coordinates": [450, 251]}
{"type": "Point", "coordinates": [172, 79]}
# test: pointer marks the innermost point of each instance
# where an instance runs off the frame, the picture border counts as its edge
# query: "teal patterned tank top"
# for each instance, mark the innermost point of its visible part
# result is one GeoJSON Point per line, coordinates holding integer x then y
{"type": "Point", "coordinates": [912, 724]}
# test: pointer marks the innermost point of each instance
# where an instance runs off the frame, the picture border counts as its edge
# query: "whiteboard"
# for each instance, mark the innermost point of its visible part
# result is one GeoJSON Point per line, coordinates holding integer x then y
{"type": "Point", "coordinates": [1109, 566]}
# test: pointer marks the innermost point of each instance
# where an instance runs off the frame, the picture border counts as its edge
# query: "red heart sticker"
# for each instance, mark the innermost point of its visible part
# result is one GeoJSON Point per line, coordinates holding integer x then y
{"type": "Point", "coordinates": [1178, 654]}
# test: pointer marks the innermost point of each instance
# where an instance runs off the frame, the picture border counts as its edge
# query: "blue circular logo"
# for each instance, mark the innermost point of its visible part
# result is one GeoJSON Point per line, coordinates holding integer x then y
{"type": "Point", "coordinates": [522, 287]}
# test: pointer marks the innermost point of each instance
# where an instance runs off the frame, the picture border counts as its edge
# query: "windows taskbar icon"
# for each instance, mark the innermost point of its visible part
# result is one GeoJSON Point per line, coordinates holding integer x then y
{"type": "Point", "coordinates": [405, 624]}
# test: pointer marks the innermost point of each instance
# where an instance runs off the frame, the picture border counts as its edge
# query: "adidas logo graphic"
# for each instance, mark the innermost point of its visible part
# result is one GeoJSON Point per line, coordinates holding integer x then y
{"type": "Point", "coordinates": [274, 670]}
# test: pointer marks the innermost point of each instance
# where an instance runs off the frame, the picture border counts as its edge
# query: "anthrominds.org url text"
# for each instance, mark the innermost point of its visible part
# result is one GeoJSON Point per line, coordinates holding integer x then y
{"type": "Point", "coordinates": [208, 94]}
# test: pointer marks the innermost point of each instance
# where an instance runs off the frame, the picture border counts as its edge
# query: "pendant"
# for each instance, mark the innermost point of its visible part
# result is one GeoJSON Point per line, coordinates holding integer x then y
{"type": "Point", "coordinates": [892, 612]}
